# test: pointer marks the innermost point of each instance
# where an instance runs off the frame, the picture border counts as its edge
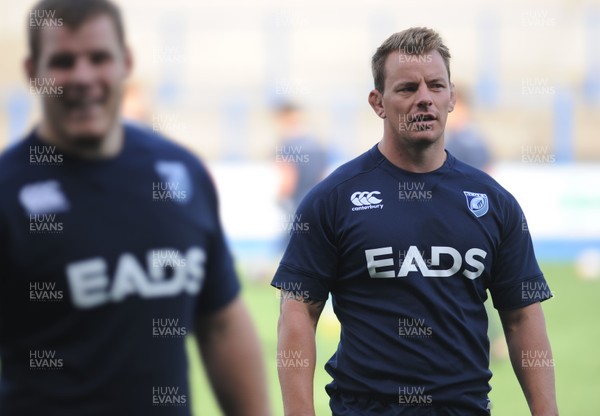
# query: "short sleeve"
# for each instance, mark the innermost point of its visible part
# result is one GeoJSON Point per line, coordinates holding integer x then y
{"type": "Point", "coordinates": [309, 265]}
{"type": "Point", "coordinates": [221, 284]}
{"type": "Point", "coordinates": [517, 280]}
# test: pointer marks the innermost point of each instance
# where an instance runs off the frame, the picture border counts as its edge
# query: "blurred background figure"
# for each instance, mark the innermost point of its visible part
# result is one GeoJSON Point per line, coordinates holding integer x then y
{"type": "Point", "coordinates": [464, 138]}
{"type": "Point", "coordinates": [300, 159]}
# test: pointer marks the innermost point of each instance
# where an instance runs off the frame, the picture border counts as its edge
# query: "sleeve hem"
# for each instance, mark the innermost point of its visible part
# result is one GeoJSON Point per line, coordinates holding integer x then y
{"type": "Point", "coordinates": [503, 286]}
{"type": "Point", "coordinates": [523, 305]}
{"type": "Point", "coordinates": [317, 286]}
{"type": "Point", "coordinates": [303, 272]}
{"type": "Point", "coordinates": [222, 304]}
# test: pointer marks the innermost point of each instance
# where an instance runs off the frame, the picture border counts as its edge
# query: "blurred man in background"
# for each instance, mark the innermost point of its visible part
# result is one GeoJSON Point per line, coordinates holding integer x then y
{"type": "Point", "coordinates": [111, 246]}
{"type": "Point", "coordinates": [408, 240]}
{"type": "Point", "coordinates": [301, 160]}
{"type": "Point", "coordinates": [464, 140]}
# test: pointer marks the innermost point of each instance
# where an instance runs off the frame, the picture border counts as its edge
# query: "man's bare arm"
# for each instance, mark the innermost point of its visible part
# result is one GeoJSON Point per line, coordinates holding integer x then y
{"type": "Point", "coordinates": [296, 340]}
{"type": "Point", "coordinates": [233, 360]}
{"type": "Point", "coordinates": [531, 357]}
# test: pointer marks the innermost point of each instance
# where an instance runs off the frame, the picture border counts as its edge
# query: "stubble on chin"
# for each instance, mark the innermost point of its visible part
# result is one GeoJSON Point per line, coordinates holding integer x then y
{"type": "Point", "coordinates": [418, 143]}
{"type": "Point", "coordinates": [86, 142]}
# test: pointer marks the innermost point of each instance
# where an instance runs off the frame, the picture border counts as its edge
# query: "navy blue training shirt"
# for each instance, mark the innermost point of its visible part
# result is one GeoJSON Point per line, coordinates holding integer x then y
{"type": "Point", "coordinates": [105, 267]}
{"type": "Point", "coordinates": [407, 258]}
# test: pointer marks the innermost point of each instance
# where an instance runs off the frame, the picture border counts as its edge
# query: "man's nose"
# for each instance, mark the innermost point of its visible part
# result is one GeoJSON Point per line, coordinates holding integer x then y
{"type": "Point", "coordinates": [424, 96]}
{"type": "Point", "coordinates": [83, 71]}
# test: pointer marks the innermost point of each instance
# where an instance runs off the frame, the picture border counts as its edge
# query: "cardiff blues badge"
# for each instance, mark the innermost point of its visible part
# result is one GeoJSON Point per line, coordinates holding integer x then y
{"type": "Point", "coordinates": [176, 184]}
{"type": "Point", "coordinates": [477, 203]}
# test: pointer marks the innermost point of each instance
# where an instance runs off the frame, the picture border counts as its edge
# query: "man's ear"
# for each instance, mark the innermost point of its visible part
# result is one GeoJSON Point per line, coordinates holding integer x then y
{"type": "Point", "coordinates": [29, 66]}
{"type": "Point", "coordinates": [452, 98]}
{"type": "Point", "coordinates": [376, 101]}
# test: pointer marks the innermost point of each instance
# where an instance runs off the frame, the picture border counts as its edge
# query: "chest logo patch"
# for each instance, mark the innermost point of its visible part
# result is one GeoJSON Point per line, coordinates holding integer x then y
{"type": "Point", "coordinates": [43, 198]}
{"type": "Point", "coordinates": [366, 200]}
{"type": "Point", "coordinates": [176, 184]}
{"type": "Point", "coordinates": [477, 203]}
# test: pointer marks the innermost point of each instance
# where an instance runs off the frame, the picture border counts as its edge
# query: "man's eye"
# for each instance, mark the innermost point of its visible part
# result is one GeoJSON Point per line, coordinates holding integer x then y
{"type": "Point", "coordinates": [99, 57]}
{"type": "Point", "coordinates": [62, 61]}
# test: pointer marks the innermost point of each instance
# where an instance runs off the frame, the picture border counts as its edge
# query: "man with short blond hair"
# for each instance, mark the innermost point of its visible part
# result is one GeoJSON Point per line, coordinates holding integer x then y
{"type": "Point", "coordinates": [407, 240]}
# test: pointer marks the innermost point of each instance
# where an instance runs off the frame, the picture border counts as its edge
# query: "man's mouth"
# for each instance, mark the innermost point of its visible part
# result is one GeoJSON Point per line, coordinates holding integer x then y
{"type": "Point", "coordinates": [84, 107]}
{"type": "Point", "coordinates": [422, 117]}
{"type": "Point", "coordinates": [417, 122]}
{"type": "Point", "coordinates": [82, 103]}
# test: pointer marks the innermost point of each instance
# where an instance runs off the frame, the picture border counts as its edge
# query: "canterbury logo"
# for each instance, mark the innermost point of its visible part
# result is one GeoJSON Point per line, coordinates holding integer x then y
{"type": "Point", "coordinates": [43, 198]}
{"type": "Point", "coordinates": [366, 200]}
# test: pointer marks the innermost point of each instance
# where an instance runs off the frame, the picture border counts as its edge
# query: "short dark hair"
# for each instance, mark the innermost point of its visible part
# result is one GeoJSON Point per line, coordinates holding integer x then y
{"type": "Point", "coordinates": [413, 41]}
{"type": "Point", "coordinates": [72, 13]}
